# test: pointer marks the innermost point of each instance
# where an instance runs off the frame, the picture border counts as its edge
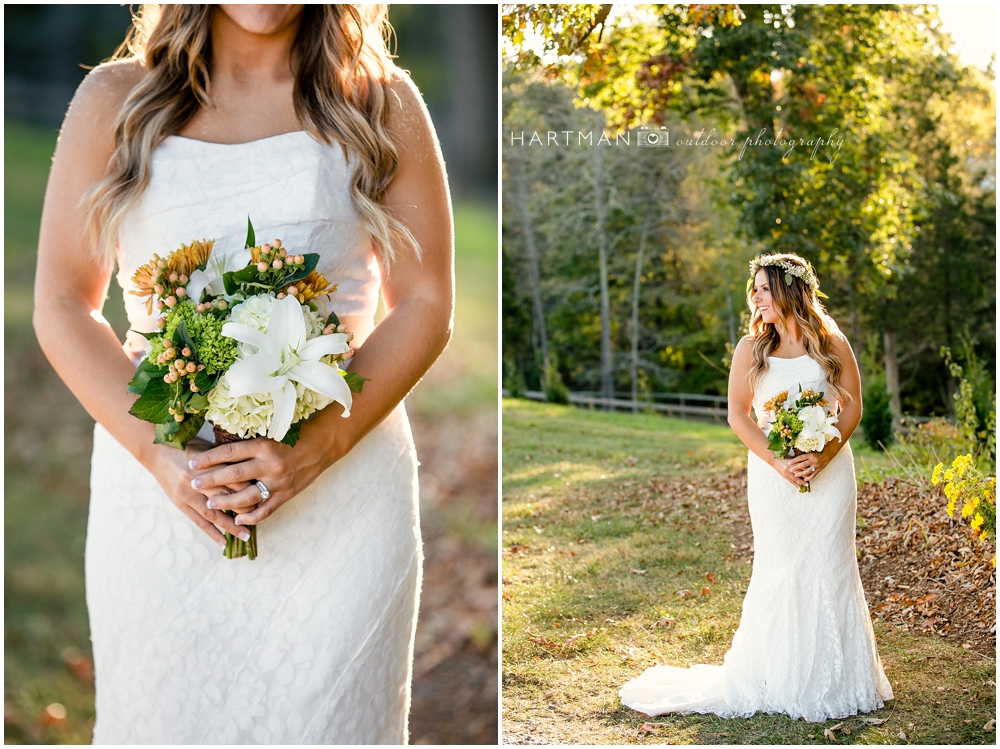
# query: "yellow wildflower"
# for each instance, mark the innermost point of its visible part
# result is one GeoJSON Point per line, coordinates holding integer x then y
{"type": "Point", "coordinates": [936, 478]}
{"type": "Point", "coordinates": [982, 536]}
{"type": "Point", "coordinates": [977, 522]}
{"type": "Point", "coordinates": [951, 508]}
{"type": "Point", "coordinates": [993, 561]}
{"type": "Point", "coordinates": [949, 474]}
{"type": "Point", "coordinates": [962, 463]}
{"type": "Point", "coordinates": [967, 509]}
{"type": "Point", "coordinates": [950, 491]}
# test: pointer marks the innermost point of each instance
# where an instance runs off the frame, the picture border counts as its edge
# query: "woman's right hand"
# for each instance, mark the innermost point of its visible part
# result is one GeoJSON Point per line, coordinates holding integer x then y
{"type": "Point", "coordinates": [784, 469]}
{"type": "Point", "coordinates": [170, 468]}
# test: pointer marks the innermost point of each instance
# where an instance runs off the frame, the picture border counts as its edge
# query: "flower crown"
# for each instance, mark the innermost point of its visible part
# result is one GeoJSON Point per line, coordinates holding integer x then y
{"type": "Point", "coordinates": [806, 275]}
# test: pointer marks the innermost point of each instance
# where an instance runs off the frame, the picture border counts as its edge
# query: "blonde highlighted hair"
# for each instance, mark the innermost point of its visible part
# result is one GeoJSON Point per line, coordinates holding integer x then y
{"type": "Point", "coordinates": [342, 90]}
{"type": "Point", "coordinates": [818, 329]}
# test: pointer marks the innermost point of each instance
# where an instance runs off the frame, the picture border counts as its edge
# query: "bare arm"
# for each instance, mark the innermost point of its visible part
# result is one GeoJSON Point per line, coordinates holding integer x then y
{"type": "Point", "coordinates": [70, 288]}
{"type": "Point", "coordinates": [419, 301]}
{"type": "Point", "coordinates": [740, 404]}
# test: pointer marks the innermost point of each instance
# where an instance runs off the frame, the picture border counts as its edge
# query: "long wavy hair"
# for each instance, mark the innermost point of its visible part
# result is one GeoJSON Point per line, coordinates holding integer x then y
{"type": "Point", "coordinates": [342, 74]}
{"type": "Point", "coordinates": [817, 327]}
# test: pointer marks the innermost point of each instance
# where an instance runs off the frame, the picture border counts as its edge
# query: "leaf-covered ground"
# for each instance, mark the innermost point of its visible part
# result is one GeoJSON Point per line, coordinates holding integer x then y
{"type": "Point", "coordinates": [625, 545]}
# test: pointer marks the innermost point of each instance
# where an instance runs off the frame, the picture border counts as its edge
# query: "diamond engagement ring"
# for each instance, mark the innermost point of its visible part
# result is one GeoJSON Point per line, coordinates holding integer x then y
{"type": "Point", "coordinates": [264, 493]}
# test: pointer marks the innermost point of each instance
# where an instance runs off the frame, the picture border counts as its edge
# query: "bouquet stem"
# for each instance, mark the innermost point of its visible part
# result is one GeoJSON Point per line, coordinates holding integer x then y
{"type": "Point", "coordinates": [236, 547]}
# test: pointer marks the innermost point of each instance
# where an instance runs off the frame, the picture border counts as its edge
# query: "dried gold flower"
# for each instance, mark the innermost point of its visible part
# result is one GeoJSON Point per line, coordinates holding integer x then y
{"type": "Point", "coordinates": [312, 286]}
{"type": "Point", "coordinates": [190, 257]}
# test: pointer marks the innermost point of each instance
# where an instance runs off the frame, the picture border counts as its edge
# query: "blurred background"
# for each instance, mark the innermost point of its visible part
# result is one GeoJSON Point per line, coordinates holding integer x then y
{"type": "Point", "coordinates": [48, 676]}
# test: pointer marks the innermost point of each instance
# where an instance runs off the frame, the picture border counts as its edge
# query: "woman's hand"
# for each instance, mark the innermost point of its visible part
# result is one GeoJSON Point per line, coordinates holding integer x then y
{"type": "Point", "coordinates": [285, 471]}
{"type": "Point", "coordinates": [172, 470]}
{"type": "Point", "coordinates": [785, 469]}
{"type": "Point", "coordinates": [807, 466]}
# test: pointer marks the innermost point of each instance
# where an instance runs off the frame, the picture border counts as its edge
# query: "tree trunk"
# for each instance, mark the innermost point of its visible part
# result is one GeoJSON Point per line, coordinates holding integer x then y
{"type": "Point", "coordinates": [856, 344]}
{"type": "Point", "coordinates": [892, 373]}
{"type": "Point", "coordinates": [729, 302]}
{"type": "Point", "coordinates": [607, 372]}
{"type": "Point", "coordinates": [534, 277]}
{"type": "Point", "coordinates": [634, 365]}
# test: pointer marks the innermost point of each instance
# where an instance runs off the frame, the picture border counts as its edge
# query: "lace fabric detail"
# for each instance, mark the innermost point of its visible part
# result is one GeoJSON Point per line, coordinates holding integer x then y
{"type": "Point", "coordinates": [805, 645]}
{"type": "Point", "coordinates": [311, 643]}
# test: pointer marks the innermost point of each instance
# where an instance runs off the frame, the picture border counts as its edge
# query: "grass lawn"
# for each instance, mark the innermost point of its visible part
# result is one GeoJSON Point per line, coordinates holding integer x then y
{"type": "Point", "coordinates": [625, 545]}
{"type": "Point", "coordinates": [47, 465]}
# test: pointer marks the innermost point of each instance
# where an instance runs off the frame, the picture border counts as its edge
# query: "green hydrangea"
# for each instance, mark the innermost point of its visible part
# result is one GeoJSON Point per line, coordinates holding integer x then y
{"type": "Point", "coordinates": [215, 351]}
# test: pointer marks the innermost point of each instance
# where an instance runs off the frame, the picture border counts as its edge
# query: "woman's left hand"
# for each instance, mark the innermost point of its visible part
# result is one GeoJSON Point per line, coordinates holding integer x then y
{"type": "Point", "coordinates": [283, 470]}
{"type": "Point", "coordinates": [808, 465]}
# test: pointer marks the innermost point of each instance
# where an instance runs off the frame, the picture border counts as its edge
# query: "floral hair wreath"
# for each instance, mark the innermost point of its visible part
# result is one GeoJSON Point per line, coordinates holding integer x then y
{"type": "Point", "coordinates": [806, 275]}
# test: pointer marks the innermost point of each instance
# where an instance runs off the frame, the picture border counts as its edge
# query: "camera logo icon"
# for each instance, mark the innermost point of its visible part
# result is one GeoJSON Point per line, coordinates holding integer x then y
{"type": "Point", "coordinates": [653, 138]}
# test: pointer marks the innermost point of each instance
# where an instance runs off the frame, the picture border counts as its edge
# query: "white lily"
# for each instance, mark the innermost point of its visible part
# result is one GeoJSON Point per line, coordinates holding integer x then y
{"type": "Point", "coordinates": [817, 425]}
{"type": "Point", "coordinates": [210, 279]}
{"type": "Point", "coordinates": [284, 356]}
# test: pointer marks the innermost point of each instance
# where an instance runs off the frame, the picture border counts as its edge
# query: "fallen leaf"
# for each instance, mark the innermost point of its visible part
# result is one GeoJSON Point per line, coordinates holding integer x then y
{"type": "Point", "coordinates": [902, 736]}
{"type": "Point", "coordinates": [637, 572]}
{"type": "Point", "coordinates": [875, 721]}
{"type": "Point", "coordinates": [706, 592]}
{"type": "Point", "coordinates": [710, 576]}
{"type": "Point", "coordinates": [990, 726]}
{"type": "Point", "coordinates": [828, 733]}
{"type": "Point", "coordinates": [684, 593]}
{"type": "Point", "coordinates": [647, 728]}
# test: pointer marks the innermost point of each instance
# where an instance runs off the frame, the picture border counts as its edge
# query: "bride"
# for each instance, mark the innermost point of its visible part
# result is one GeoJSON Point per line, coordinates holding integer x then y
{"type": "Point", "coordinates": [805, 645]}
{"type": "Point", "coordinates": [295, 116]}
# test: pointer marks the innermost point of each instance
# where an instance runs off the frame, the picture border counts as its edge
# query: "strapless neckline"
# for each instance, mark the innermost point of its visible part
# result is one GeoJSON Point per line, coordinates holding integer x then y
{"type": "Point", "coordinates": [233, 145]}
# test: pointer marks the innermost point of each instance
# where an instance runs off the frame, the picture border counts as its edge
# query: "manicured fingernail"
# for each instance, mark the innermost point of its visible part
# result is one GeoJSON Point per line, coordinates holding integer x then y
{"type": "Point", "coordinates": [212, 505]}
{"type": "Point", "coordinates": [196, 483]}
{"type": "Point", "coordinates": [221, 543]}
{"type": "Point", "coordinates": [238, 521]}
{"type": "Point", "coordinates": [244, 535]}
{"type": "Point", "coordinates": [193, 463]}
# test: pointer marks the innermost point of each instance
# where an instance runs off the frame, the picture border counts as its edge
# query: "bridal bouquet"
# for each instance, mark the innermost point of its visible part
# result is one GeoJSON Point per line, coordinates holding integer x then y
{"type": "Point", "coordinates": [799, 422]}
{"type": "Point", "coordinates": [241, 342]}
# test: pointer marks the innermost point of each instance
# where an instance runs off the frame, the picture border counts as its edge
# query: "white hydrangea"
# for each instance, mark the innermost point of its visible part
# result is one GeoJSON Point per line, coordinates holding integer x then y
{"type": "Point", "coordinates": [246, 416]}
{"type": "Point", "coordinates": [314, 322]}
{"type": "Point", "coordinates": [807, 444]}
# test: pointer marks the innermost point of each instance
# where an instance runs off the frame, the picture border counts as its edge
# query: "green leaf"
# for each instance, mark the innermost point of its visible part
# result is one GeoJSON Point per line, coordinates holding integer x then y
{"type": "Point", "coordinates": [311, 261]}
{"type": "Point", "coordinates": [144, 374]}
{"type": "Point", "coordinates": [186, 339]}
{"type": "Point", "coordinates": [749, 284]}
{"type": "Point", "coordinates": [204, 381]}
{"type": "Point", "coordinates": [230, 283]}
{"type": "Point", "coordinates": [251, 238]}
{"type": "Point", "coordinates": [788, 279]}
{"type": "Point", "coordinates": [355, 381]}
{"type": "Point", "coordinates": [178, 434]}
{"type": "Point", "coordinates": [147, 336]}
{"type": "Point", "coordinates": [152, 405]}
{"type": "Point", "coordinates": [197, 402]}
{"type": "Point", "coordinates": [293, 434]}
{"type": "Point", "coordinates": [821, 295]}
{"type": "Point", "coordinates": [332, 319]}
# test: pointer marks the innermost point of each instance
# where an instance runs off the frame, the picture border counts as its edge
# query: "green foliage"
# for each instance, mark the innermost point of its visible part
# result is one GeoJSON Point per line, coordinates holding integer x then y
{"type": "Point", "coordinates": [293, 434]}
{"type": "Point", "coordinates": [877, 420]}
{"type": "Point", "coordinates": [975, 405]}
{"type": "Point", "coordinates": [553, 385]}
{"type": "Point", "coordinates": [354, 381]}
{"type": "Point", "coordinates": [897, 213]}
{"type": "Point", "coordinates": [513, 378]}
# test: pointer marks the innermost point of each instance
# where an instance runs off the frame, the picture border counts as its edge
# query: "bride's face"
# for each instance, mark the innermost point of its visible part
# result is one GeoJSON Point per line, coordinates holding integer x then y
{"type": "Point", "coordinates": [762, 298]}
{"type": "Point", "coordinates": [262, 19]}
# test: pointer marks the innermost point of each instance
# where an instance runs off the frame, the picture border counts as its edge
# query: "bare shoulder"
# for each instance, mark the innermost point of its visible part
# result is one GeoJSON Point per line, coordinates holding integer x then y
{"type": "Point", "coordinates": [409, 122]}
{"type": "Point", "coordinates": [743, 351]}
{"type": "Point", "coordinates": [99, 99]}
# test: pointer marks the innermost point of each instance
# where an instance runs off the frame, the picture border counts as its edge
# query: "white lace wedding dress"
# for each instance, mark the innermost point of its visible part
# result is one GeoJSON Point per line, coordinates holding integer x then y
{"type": "Point", "coordinates": [805, 645]}
{"type": "Point", "coordinates": [312, 642]}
